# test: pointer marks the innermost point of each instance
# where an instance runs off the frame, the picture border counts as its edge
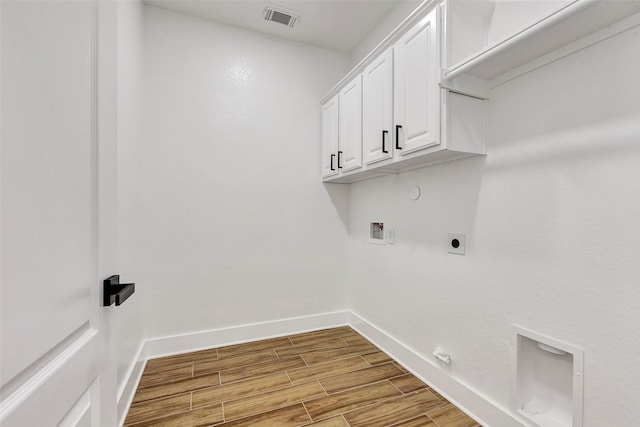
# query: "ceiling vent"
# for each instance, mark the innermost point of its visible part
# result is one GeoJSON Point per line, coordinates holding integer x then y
{"type": "Point", "coordinates": [280, 16]}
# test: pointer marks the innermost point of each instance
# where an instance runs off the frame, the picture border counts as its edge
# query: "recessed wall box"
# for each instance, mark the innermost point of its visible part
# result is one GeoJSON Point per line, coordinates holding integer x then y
{"type": "Point", "coordinates": [376, 232]}
{"type": "Point", "coordinates": [549, 380]}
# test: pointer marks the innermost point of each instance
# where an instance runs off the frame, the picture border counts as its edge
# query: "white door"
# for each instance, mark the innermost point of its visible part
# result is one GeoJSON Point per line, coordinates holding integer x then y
{"type": "Point", "coordinates": [416, 70]}
{"type": "Point", "coordinates": [58, 130]}
{"type": "Point", "coordinates": [330, 137]}
{"type": "Point", "coordinates": [377, 109]}
{"type": "Point", "coordinates": [350, 125]}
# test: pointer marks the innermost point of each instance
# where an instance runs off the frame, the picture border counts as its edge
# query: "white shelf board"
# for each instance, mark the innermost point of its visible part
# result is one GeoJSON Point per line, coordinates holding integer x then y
{"type": "Point", "coordinates": [576, 20]}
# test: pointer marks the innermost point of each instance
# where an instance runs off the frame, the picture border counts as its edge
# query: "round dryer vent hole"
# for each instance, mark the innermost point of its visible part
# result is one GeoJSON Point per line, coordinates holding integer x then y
{"type": "Point", "coordinates": [455, 243]}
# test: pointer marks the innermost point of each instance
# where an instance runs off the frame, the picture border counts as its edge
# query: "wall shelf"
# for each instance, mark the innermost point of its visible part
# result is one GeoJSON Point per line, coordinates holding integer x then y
{"type": "Point", "coordinates": [568, 24]}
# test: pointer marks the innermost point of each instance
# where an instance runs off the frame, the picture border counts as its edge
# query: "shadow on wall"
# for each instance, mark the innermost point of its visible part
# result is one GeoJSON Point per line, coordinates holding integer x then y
{"type": "Point", "coordinates": [447, 203]}
{"type": "Point", "coordinates": [339, 195]}
{"type": "Point", "coordinates": [449, 198]}
{"type": "Point", "coordinates": [596, 140]}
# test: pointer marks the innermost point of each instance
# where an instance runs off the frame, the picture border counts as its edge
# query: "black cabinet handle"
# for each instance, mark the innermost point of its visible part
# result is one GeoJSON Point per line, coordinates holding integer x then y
{"type": "Point", "coordinates": [333, 156]}
{"type": "Point", "coordinates": [114, 291]}
{"type": "Point", "coordinates": [339, 159]}
{"type": "Point", "coordinates": [384, 132]}
{"type": "Point", "coordinates": [398, 127]}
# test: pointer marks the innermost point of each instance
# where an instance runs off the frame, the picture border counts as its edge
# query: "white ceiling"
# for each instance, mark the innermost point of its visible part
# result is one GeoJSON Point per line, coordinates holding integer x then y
{"type": "Point", "coordinates": [333, 24]}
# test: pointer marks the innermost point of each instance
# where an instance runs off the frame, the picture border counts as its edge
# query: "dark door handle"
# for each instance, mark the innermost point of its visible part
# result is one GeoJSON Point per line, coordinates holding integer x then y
{"type": "Point", "coordinates": [384, 132]}
{"type": "Point", "coordinates": [339, 159]}
{"type": "Point", "coordinates": [398, 127]}
{"type": "Point", "coordinates": [114, 291]}
{"type": "Point", "coordinates": [333, 156]}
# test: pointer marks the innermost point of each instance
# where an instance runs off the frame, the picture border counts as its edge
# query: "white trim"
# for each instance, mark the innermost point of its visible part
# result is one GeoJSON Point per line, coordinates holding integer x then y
{"type": "Point", "coordinates": [481, 408]}
{"type": "Point", "coordinates": [104, 201]}
{"type": "Point", "coordinates": [471, 401]}
{"type": "Point", "coordinates": [127, 390]}
{"type": "Point", "coordinates": [131, 370]}
{"type": "Point", "coordinates": [167, 346]}
{"type": "Point", "coordinates": [74, 362]}
{"type": "Point", "coordinates": [81, 411]}
{"type": "Point", "coordinates": [412, 19]}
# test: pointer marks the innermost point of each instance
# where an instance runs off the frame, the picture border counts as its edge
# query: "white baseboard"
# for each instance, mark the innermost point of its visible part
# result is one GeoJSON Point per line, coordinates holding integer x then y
{"type": "Point", "coordinates": [166, 346]}
{"type": "Point", "coordinates": [486, 412]}
{"type": "Point", "coordinates": [470, 401]}
{"type": "Point", "coordinates": [128, 389]}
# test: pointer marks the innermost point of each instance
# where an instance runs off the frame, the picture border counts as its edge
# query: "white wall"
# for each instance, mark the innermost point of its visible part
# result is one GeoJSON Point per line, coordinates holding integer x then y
{"type": "Point", "coordinates": [382, 30]}
{"type": "Point", "coordinates": [223, 221]}
{"type": "Point", "coordinates": [551, 219]}
{"type": "Point", "coordinates": [223, 218]}
{"type": "Point", "coordinates": [127, 320]}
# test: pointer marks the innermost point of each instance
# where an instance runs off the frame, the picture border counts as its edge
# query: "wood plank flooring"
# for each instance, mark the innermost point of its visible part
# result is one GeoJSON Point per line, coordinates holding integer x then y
{"type": "Point", "coordinates": [328, 378]}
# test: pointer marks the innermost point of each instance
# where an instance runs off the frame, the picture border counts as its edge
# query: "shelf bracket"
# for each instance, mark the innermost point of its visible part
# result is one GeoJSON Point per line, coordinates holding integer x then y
{"type": "Point", "coordinates": [465, 85]}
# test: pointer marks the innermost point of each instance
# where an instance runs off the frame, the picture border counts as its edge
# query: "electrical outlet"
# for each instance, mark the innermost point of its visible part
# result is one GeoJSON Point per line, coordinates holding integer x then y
{"type": "Point", "coordinates": [456, 243]}
{"type": "Point", "coordinates": [391, 235]}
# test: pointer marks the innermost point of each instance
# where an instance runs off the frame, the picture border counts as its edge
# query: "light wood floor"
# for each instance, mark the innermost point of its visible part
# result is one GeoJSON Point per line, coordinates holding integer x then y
{"type": "Point", "coordinates": [328, 378]}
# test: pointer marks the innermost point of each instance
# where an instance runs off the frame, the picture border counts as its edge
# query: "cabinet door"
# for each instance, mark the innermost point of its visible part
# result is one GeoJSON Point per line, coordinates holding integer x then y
{"type": "Point", "coordinates": [377, 109]}
{"type": "Point", "coordinates": [416, 68]}
{"type": "Point", "coordinates": [350, 125]}
{"type": "Point", "coordinates": [330, 137]}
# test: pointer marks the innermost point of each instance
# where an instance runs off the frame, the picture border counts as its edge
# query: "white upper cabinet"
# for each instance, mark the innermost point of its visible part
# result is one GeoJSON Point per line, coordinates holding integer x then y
{"type": "Point", "coordinates": [350, 126]}
{"type": "Point", "coordinates": [420, 97]}
{"type": "Point", "coordinates": [393, 114]}
{"type": "Point", "coordinates": [330, 137]}
{"type": "Point", "coordinates": [416, 72]}
{"type": "Point", "coordinates": [377, 104]}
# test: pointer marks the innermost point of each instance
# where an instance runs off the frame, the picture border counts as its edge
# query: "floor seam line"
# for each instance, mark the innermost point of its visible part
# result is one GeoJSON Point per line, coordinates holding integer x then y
{"type": "Point", "coordinates": [307, 411]}
{"type": "Point", "coordinates": [361, 406]}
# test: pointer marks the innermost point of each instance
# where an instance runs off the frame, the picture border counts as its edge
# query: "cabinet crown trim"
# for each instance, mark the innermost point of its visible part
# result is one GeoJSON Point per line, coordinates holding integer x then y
{"type": "Point", "coordinates": [425, 7]}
